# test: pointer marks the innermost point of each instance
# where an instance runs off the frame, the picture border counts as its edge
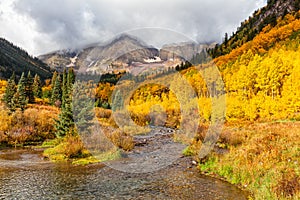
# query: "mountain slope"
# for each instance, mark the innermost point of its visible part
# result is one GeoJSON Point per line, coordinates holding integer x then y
{"type": "Point", "coordinates": [266, 16]}
{"type": "Point", "coordinates": [15, 59]}
{"type": "Point", "coordinates": [58, 59]}
{"type": "Point", "coordinates": [287, 28]}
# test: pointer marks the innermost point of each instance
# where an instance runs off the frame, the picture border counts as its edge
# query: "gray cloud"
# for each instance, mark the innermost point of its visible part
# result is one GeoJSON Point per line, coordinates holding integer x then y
{"type": "Point", "coordinates": [56, 24]}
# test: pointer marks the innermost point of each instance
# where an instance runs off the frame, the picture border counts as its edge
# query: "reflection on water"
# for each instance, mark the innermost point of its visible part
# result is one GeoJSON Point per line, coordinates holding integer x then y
{"type": "Point", "coordinates": [25, 175]}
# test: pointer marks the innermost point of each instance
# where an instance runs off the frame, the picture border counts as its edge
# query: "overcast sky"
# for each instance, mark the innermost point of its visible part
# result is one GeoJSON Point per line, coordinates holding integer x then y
{"type": "Point", "coordinates": [41, 26]}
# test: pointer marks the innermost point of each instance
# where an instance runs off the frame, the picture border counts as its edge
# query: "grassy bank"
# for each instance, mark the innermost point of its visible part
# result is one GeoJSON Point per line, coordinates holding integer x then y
{"type": "Point", "coordinates": [263, 158]}
{"type": "Point", "coordinates": [71, 149]}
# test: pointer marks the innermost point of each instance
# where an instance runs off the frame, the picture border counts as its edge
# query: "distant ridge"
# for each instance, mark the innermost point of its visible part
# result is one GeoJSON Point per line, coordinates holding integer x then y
{"type": "Point", "coordinates": [15, 59]}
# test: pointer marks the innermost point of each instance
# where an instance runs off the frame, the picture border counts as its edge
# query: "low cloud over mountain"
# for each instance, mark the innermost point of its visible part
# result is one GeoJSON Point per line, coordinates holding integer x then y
{"type": "Point", "coordinates": [54, 24]}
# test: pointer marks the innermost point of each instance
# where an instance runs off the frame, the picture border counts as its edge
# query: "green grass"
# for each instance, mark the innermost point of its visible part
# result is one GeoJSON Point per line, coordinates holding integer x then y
{"type": "Point", "coordinates": [71, 149]}
{"type": "Point", "coordinates": [50, 143]}
{"type": "Point", "coordinates": [188, 151]}
{"type": "Point", "coordinates": [106, 156]}
{"type": "Point", "coordinates": [110, 155]}
{"type": "Point", "coordinates": [85, 161]}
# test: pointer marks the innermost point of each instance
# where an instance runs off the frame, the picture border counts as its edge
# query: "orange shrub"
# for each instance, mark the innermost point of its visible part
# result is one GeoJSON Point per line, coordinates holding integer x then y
{"type": "Point", "coordinates": [120, 139]}
{"type": "Point", "coordinates": [102, 113]}
{"type": "Point", "coordinates": [35, 124]}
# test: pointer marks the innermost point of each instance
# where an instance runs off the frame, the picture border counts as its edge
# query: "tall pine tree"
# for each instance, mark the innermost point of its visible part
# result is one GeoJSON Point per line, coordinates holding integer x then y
{"type": "Point", "coordinates": [53, 79]}
{"type": "Point", "coordinates": [83, 106]}
{"type": "Point", "coordinates": [64, 88]}
{"type": "Point", "coordinates": [10, 91]}
{"type": "Point", "coordinates": [56, 92]}
{"type": "Point", "coordinates": [20, 99]}
{"type": "Point", "coordinates": [65, 123]}
{"type": "Point", "coordinates": [70, 79]}
{"type": "Point", "coordinates": [29, 88]}
{"type": "Point", "coordinates": [37, 87]}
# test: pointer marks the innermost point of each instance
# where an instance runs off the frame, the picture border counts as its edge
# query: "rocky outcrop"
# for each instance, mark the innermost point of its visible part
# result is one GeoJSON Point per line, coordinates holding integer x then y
{"type": "Point", "coordinates": [183, 50]}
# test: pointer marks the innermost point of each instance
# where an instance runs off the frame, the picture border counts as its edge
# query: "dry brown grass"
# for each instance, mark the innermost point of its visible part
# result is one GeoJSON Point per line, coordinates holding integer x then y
{"type": "Point", "coordinates": [115, 135]}
{"type": "Point", "coordinates": [103, 113]}
{"type": "Point", "coordinates": [120, 139]}
{"type": "Point", "coordinates": [264, 157]}
{"type": "Point", "coordinates": [73, 147]}
{"type": "Point", "coordinates": [288, 185]}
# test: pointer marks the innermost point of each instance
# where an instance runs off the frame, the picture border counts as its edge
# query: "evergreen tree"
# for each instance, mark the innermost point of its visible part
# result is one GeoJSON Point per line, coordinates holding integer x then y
{"type": "Point", "coordinates": [13, 77]}
{"type": "Point", "coordinates": [56, 92]}
{"type": "Point", "coordinates": [64, 88]}
{"type": "Point", "coordinates": [70, 79]}
{"type": "Point", "coordinates": [29, 88]}
{"type": "Point", "coordinates": [37, 86]}
{"type": "Point", "coordinates": [15, 102]}
{"type": "Point", "coordinates": [20, 97]}
{"type": "Point", "coordinates": [226, 39]}
{"type": "Point", "coordinates": [53, 79]}
{"type": "Point", "coordinates": [83, 106]}
{"type": "Point", "coordinates": [10, 91]}
{"type": "Point", "coordinates": [65, 123]}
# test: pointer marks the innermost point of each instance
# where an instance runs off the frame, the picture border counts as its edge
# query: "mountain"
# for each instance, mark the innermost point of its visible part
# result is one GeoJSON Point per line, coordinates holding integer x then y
{"type": "Point", "coordinates": [116, 54]}
{"type": "Point", "coordinates": [119, 53]}
{"type": "Point", "coordinates": [261, 18]}
{"type": "Point", "coordinates": [15, 59]}
{"type": "Point", "coordinates": [124, 52]}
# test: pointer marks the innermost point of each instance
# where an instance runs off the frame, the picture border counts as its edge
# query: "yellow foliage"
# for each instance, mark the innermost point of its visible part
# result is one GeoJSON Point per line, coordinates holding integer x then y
{"type": "Point", "coordinates": [44, 101]}
{"type": "Point", "coordinates": [5, 125]}
{"type": "Point", "coordinates": [104, 91]}
{"type": "Point", "coordinates": [70, 147]}
{"type": "Point", "coordinates": [264, 40]}
{"type": "Point", "coordinates": [264, 87]}
{"type": "Point", "coordinates": [3, 84]}
{"type": "Point", "coordinates": [258, 87]}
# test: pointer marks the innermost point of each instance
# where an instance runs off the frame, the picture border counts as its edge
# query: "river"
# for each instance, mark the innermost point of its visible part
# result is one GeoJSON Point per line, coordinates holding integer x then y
{"type": "Point", "coordinates": [24, 174]}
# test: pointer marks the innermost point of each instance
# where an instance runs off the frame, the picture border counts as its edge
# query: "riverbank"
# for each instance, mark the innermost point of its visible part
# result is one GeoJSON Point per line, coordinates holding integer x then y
{"type": "Point", "coordinates": [262, 158]}
{"type": "Point", "coordinates": [28, 175]}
